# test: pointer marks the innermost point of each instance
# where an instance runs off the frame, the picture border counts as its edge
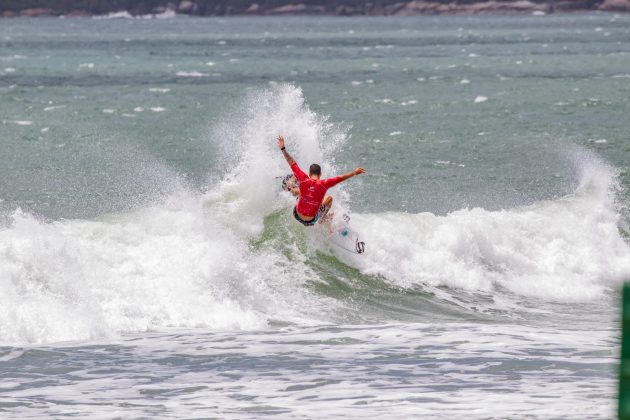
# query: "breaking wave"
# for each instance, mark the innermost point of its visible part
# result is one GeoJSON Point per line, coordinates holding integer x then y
{"type": "Point", "coordinates": [230, 258]}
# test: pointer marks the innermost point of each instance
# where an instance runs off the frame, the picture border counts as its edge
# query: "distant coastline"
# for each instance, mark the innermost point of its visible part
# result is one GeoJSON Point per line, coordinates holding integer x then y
{"type": "Point", "coordinates": [161, 8]}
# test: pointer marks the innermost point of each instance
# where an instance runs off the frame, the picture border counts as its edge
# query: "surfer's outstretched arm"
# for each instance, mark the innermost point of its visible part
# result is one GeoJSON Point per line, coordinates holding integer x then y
{"type": "Point", "coordinates": [286, 154]}
{"type": "Point", "coordinates": [331, 182]}
{"type": "Point", "coordinates": [350, 174]}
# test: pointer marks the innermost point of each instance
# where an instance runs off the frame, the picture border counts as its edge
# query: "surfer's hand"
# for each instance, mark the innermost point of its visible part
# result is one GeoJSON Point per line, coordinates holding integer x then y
{"type": "Point", "coordinates": [359, 171]}
{"type": "Point", "coordinates": [280, 142]}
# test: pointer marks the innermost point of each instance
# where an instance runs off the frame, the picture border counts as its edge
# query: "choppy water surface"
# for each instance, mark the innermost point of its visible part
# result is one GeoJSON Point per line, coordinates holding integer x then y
{"type": "Point", "coordinates": [149, 267]}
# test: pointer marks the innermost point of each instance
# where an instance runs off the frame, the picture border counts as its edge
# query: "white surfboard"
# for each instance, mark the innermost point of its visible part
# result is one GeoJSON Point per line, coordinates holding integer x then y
{"type": "Point", "coordinates": [342, 235]}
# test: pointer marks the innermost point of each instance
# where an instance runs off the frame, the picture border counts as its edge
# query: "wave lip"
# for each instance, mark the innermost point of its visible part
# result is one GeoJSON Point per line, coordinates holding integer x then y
{"type": "Point", "coordinates": [565, 249]}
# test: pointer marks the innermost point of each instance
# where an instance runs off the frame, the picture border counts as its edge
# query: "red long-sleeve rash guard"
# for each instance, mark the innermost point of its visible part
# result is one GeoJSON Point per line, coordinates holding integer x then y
{"type": "Point", "coordinates": [312, 191]}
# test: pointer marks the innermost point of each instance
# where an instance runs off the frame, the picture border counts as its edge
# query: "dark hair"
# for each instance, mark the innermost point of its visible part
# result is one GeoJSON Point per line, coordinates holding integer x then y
{"type": "Point", "coordinates": [315, 169]}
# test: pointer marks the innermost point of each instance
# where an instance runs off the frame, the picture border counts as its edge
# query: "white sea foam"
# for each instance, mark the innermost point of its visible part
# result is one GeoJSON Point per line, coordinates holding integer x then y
{"type": "Point", "coordinates": [54, 107]}
{"type": "Point", "coordinates": [115, 15]}
{"type": "Point", "coordinates": [440, 371]}
{"type": "Point", "coordinates": [191, 74]}
{"type": "Point", "coordinates": [160, 90]}
{"type": "Point", "coordinates": [448, 163]}
{"type": "Point", "coordinates": [12, 57]}
{"type": "Point", "coordinates": [167, 14]}
{"type": "Point", "coordinates": [479, 99]}
{"type": "Point", "coordinates": [564, 249]}
{"type": "Point", "coordinates": [157, 109]}
{"type": "Point", "coordinates": [168, 265]}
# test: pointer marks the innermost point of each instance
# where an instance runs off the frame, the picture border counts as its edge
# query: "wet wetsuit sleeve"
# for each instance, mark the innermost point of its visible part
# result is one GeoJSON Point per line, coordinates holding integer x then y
{"type": "Point", "coordinates": [299, 174]}
{"type": "Point", "coordinates": [331, 182]}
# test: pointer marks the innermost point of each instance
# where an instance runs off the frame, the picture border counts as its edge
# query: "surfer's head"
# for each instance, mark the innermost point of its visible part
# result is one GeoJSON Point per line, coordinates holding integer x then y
{"type": "Point", "coordinates": [315, 169]}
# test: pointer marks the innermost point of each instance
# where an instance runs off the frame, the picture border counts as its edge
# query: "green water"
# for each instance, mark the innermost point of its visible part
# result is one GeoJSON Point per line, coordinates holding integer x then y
{"type": "Point", "coordinates": [551, 82]}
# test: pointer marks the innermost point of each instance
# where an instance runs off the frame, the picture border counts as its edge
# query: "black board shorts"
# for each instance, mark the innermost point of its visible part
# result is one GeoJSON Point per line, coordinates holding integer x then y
{"type": "Point", "coordinates": [304, 222]}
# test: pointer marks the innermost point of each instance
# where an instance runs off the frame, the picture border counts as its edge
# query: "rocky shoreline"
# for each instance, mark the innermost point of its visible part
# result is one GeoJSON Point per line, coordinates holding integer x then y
{"type": "Point", "coordinates": [157, 8]}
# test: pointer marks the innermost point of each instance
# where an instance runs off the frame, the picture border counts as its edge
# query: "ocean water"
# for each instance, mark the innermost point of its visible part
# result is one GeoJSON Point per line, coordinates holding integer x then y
{"type": "Point", "coordinates": [150, 267]}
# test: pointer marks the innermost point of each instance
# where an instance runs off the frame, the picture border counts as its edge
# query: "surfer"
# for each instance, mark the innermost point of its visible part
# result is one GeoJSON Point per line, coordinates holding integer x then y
{"type": "Point", "coordinates": [312, 202]}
